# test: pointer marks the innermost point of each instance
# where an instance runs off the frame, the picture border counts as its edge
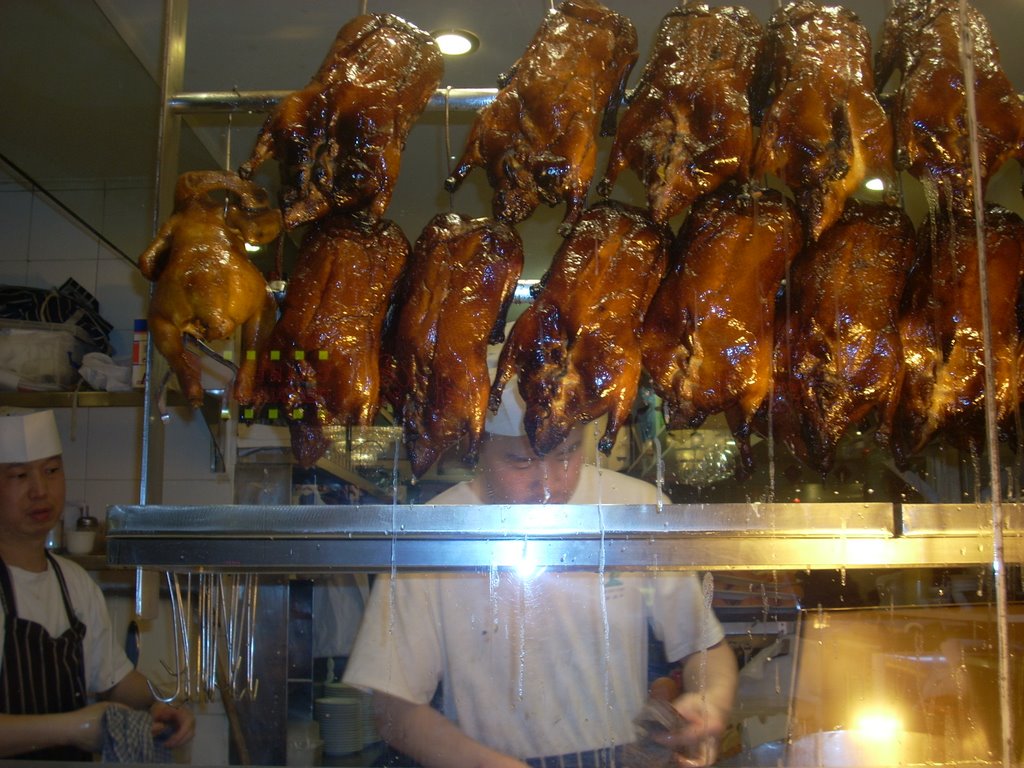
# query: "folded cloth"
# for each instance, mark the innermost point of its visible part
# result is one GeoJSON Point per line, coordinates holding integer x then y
{"type": "Point", "coordinates": [128, 738]}
{"type": "Point", "coordinates": [103, 374]}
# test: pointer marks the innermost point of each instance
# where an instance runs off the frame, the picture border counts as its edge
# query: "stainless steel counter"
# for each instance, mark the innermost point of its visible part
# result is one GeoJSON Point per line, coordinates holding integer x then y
{"type": "Point", "coordinates": [298, 539]}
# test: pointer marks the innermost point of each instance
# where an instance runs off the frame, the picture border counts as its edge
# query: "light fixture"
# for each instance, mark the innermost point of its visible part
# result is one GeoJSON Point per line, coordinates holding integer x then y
{"type": "Point", "coordinates": [875, 184]}
{"type": "Point", "coordinates": [455, 42]}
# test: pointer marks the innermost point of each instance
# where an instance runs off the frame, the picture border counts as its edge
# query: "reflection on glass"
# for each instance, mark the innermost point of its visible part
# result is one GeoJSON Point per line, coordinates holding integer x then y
{"type": "Point", "coordinates": [902, 686]}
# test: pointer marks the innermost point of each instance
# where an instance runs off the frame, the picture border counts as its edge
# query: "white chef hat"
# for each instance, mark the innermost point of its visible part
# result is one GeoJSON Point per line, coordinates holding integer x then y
{"type": "Point", "coordinates": [28, 437]}
{"type": "Point", "coordinates": [508, 421]}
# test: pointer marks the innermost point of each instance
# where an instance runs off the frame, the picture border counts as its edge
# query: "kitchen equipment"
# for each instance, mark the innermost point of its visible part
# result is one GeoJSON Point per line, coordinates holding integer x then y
{"type": "Point", "coordinates": [82, 540]}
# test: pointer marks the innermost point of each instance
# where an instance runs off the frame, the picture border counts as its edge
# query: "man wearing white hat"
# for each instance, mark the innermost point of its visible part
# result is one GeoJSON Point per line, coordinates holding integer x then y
{"type": "Point", "coordinates": [58, 644]}
{"type": "Point", "coordinates": [538, 669]}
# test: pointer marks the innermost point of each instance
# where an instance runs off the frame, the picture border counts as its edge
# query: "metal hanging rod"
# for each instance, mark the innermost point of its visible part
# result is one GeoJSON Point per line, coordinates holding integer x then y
{"type": "Point", "coordinates": [463, 99]}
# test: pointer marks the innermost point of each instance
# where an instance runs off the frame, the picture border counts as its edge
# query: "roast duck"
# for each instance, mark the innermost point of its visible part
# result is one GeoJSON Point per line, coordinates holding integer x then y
{"type": "Point", "coordinates": [206, 286]}
{"type": "Point", "coordinates": [339, 140]}
{"type": "Point", "coordinates": [708, 335]}
{"type": "Point", "coordinates": [823, 129]}
{"type": "Point", "coordinates": [576, 349]}
{"type": "Point", "coordinates": [321, 363]}
{"type": "Point", "coordinates": [943, 388]}
{"type": "Point", "coordinates": [922, 39]}
{"type": "Point", "coordinates": [837, 345]}
{"type": "Point", "coordinates": [687, 128]}
{"type": "Point", "coordinates": [456, 294]}
{"type": "Point", "coordinates": [537, 140]}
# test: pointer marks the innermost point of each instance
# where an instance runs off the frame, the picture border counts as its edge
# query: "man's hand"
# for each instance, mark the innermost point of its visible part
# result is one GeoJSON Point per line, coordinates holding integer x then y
{"type": "Point", "coordinates": [699, 732]}
{"type": "Point", "coordinates": [174, 726]}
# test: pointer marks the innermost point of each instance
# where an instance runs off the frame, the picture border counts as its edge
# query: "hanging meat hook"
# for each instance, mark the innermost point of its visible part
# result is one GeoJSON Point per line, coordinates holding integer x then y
{"type": "Point", "coordinates": [448, 157]}
{"type": "Point", "coordinates": [177, 630]}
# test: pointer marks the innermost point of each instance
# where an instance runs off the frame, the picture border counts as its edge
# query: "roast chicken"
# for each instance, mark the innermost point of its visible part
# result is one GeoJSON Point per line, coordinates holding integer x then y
{"type": "Point", "coordinates": [321, 364]}
{"type": "Point", "coordinates": [206, 286]}
{"type": "Point", "coordinates": [576, 349]}
{"type": "Point", "coordinates": [456, 295]}
{"type": "Point", "coordinates": [823, 129]}
{"type": "Point", "coordinates": [687, 128]}
{"type": "Point", "coordinates": [943, 377]}
{"type": "Point", "coordinates": [339, 140]}
{"type": "Point", "coordinates": [921, 39]}
{"type": "Point", "coordinates": [707, 338]}
{"type": "Point", "coordinates": [837, 345]}
{"type": "Point", "coordinates": [537, 140]}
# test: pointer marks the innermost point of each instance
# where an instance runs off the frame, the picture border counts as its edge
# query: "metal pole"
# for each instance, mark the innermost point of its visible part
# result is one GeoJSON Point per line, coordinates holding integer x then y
{"type": "Point", "coordinates": [264, 101]}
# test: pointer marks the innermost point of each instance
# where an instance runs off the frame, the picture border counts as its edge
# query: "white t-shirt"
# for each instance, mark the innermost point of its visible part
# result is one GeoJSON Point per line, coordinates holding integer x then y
{"type": "Point", "coordinates": [337, 611]}
{"type": "Point", "coordinates": [547, 665]}
{"type": "Point", "coordinates": [38, 599]}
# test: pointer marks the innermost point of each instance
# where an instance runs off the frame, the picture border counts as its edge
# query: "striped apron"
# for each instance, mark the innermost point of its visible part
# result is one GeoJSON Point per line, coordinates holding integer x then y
{"type": "Point", "coordinates": [41, 674]}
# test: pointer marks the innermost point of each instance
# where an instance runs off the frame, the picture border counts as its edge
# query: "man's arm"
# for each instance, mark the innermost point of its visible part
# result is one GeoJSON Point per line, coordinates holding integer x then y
{"type": "Point", "coordinates": [81, 728]}
{"type": "Point", "coordinates": [712, 676]}
{"type": "Point", "coordinates": [424, 734]}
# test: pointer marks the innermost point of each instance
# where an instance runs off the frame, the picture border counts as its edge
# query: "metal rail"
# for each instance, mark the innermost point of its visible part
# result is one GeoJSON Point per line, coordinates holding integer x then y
{"type": "Point", "coordinates": [316, 539]}
{"type": "Point", "coordinates": [459, 99]}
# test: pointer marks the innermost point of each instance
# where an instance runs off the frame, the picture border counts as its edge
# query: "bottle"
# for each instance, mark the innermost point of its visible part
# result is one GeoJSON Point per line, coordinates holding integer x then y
{"type": "Point", "coordinates": [140, 347]}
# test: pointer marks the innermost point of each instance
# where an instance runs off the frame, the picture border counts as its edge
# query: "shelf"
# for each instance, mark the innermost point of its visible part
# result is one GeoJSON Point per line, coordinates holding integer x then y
{"type": "Point", "coordinates": [85, 398]}
{"type": "Point", "coordinates": [317, 539]}
{"type": "Point", "coordinates": [88, 398]}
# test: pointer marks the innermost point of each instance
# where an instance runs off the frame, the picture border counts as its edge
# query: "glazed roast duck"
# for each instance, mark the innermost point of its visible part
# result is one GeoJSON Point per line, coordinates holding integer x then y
{"type": "Point", "coordinates": [823, 129]}
{"type": "Point", "coordinates": [921, 41]}
{"type": "Point", "coordinates": [206, 286]}
{"type": "Point", "coordinates": [838, 356]}
{"type": "Point", "coordinates": [339, 140]}
{"type": "Point", "coordinates": [576, 349]}
{"type": "Point", "coordinates": [941, 330]}
{"type": "Point", "coordinates": [708, 335]}
{"type": "Point", "coordinates": [687, 129]}
{"type": "Point", "coordinates": [453, 304]}
{"type": "Point", "coordinates": [537, 140]}
{"type": "Point", "coordinates": [321, 363]}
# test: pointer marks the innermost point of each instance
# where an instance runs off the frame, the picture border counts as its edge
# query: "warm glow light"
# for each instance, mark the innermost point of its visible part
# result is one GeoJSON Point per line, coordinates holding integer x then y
{"type": "Point", "coordinates": [527, 569]}
{"type": "Point", "coordinates": [875, 185]}
{"type": "Point", "coordinates": [879, 725]}
{"type": "Point", "coordinates": [456, 42]}
{"type": "Point", "coordinates": [252, 248]}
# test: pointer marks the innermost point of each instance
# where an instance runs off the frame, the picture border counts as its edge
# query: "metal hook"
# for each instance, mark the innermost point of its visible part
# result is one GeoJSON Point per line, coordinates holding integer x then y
{"type": "Point", "coordinates": [161, 398]}
{"type": "Point", "coordinates": [175, 621]}
{"type": "Point", "coordinates": [448, 143]}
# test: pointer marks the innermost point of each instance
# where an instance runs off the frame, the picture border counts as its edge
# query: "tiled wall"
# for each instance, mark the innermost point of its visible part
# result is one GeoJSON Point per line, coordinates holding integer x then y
{"type": "Point", "coordinates": [42, 246]}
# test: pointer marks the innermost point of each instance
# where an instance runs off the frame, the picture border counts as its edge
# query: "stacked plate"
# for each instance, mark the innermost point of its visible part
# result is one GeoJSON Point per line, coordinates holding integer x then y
{"type": "Point", "coordinates": [370, 735]}
{"type": "Point", "coordinates": [341, 724]}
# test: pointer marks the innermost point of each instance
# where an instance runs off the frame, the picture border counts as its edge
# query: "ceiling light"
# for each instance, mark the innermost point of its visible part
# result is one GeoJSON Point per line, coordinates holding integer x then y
{"type": "Point", "coordinates": [455, 42]}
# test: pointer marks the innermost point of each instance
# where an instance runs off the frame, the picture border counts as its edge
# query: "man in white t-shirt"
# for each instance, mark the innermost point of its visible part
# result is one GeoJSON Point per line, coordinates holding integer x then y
{"type": "Point", "coordinates": [58, 650]}
{"type": "Point", "coordinates": [541, 669]}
